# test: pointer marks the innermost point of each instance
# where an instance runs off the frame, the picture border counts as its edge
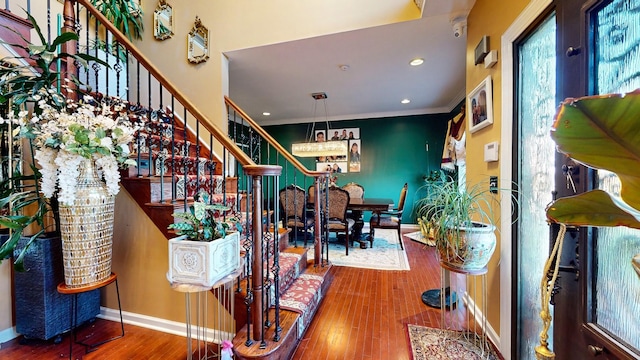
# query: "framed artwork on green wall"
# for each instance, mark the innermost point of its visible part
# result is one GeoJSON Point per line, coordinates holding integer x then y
{"type": "Point", "coordinates": [354, 155]}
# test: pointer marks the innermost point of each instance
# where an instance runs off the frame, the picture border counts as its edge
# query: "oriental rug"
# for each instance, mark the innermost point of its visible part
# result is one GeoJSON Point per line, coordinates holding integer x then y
{"type": "Point", "coordinates": [432, 344]}
{"type": "Point", "coordinates": [385, 254]}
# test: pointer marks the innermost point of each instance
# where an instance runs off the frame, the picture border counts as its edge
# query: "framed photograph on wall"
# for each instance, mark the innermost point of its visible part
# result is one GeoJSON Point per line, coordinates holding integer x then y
{"type": "Point", "coordinates": [480, 106]}
{"type": "Point", "coordinates": [354, 155]}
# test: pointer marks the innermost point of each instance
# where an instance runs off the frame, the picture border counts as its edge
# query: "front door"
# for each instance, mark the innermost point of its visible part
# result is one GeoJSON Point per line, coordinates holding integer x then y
{"type": "Point", "coordinates": [577, 47]}
{"type": "Point", "coordinates": [597, 304]}
{"type": "Point", "coordinates": [610, 290]}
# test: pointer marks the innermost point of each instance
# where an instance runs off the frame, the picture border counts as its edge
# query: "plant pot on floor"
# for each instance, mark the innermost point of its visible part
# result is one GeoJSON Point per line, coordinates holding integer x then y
{"type": "Point", "coordinates": [42, 312]}
{"type": "Point", "coordinates": [203, 263]}
{"type": "Point", "coordinates": [468, 248]}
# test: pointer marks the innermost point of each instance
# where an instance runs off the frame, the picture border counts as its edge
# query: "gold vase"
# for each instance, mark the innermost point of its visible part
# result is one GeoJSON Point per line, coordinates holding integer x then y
{"type": "Point", "coordinates": [86, 228]}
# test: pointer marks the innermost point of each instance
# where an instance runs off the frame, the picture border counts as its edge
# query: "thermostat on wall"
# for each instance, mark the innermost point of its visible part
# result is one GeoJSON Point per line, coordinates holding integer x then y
{"type": "Point", "coordinates": [491, 152]}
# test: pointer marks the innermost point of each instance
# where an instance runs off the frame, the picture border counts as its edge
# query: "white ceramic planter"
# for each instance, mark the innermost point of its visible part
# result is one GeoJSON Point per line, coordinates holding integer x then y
{"type": "Point", "coordinates": [203, 263]}
{"type": "Point", "coordinates": [474, 250]}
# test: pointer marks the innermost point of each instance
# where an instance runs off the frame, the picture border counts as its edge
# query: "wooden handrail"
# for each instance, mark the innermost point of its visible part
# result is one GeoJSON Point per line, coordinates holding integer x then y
{"type": "Point", "coordinates": [227, 142]}
{"type": "Point", "coordinates": [281, 150]}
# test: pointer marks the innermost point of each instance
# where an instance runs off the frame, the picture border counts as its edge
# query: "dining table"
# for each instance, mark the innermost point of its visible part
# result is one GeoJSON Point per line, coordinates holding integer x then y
{"type": "Point", "coordinates": [358, 206]}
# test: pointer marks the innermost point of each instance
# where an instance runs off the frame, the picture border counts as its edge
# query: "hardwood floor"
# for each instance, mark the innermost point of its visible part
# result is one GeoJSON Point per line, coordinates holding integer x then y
{"type": "Point", "coordinates": [363, 316]}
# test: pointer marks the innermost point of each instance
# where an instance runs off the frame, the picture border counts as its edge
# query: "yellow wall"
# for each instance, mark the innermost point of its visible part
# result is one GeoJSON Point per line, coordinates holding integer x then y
{"type": "Point", "coordinates": [492, 18]}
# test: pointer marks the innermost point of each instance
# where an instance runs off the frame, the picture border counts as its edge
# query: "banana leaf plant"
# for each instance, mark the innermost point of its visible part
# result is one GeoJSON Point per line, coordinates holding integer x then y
{"type": "Point", "coordinates": [602, 132]}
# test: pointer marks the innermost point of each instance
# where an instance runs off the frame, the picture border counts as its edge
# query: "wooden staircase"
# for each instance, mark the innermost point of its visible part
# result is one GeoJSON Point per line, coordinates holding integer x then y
{"type": "Point", "coordinates": [301, 290]}
{"type": "Point", "coordinates": [158, 186]}
{"type": "Point", "coordinates": [281, 289]}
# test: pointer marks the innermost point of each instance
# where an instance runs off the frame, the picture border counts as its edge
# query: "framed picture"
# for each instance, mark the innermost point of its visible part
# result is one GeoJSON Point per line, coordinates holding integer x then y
{"type": "Point", "coordinates": [480, 106]}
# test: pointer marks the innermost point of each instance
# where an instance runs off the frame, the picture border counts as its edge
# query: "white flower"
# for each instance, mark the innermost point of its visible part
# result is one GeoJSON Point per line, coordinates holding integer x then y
{"type": "Point", "coordinates": [64, 138]}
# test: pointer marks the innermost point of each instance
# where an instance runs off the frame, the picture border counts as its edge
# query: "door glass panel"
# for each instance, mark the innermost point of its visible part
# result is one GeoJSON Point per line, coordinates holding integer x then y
{"type": "Point", "coordinates": [536, 104]}
{"type": "Point", "coordinates": [617, 55]}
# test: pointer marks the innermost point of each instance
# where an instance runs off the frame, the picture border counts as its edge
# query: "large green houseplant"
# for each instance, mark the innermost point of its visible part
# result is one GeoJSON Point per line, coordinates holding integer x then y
{"type": "Point", "coordinates": [601, 132]}
{"type": "Point", "coordinates": [30, 80]}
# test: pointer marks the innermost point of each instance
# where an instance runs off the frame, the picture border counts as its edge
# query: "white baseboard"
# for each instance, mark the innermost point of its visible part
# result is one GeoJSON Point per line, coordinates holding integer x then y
{"type": "Point", "coordinates": [157, 324]}
{"type": "Point", "coordinates": [7, 335]}
{"type": "Point", "coordinates": [479, 319]}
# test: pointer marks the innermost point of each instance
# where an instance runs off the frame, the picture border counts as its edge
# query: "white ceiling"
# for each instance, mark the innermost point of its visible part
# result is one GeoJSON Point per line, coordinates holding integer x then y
{"type": "Point", "coordinates": [280, 78]}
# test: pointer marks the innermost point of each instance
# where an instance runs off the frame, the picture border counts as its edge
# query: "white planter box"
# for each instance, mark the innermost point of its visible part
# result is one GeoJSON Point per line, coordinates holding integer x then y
{"type": "Point", "coordinates": [203, 263]}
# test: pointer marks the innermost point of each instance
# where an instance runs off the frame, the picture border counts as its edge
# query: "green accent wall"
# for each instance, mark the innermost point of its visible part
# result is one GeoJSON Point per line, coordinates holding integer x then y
{"type": "Point", "coordinates": [393, 151]}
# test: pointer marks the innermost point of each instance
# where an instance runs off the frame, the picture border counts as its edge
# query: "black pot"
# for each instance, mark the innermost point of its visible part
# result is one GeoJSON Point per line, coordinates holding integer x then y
{"type": "Point", "coordinates": [42, 312]}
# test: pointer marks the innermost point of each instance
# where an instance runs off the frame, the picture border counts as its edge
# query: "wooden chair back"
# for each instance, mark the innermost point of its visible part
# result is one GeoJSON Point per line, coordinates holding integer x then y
{"type": "Point", "coordinates": [293, 200]}
{"type": "Point", "coordinates": [356, 191]}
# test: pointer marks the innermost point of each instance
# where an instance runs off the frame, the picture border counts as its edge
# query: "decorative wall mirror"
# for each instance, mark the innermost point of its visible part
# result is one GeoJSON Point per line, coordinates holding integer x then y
{"type": "Point", "coordinates": [163, 21]}
{"type": "Point", "coordinates": [198, 43]}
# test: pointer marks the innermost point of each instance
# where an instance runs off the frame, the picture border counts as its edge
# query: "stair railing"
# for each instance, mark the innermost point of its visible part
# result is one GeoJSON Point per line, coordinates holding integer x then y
{"type": "Point", "coordinates": [263, 148]}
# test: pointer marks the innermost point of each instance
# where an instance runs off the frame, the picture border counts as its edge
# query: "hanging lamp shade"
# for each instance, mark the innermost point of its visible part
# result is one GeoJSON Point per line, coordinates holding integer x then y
{"type": "Point", "coordinates": [320, 148]}
{"type": "Point", "coordinates": [316, 149]}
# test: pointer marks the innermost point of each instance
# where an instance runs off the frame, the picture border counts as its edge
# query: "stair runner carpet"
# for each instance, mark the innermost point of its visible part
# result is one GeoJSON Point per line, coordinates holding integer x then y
{"type": "Point", "coordinates": [304, 297]}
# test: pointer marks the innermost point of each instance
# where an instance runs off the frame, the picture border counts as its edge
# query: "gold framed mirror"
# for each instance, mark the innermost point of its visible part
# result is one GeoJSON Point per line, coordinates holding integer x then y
{"type": "Point", "coordinates": [198, 43]}
{"type": "Point", "coordinates": [163, 21]}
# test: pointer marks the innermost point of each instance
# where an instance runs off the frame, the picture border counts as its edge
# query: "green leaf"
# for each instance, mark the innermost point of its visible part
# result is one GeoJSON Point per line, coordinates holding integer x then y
{"type": "Point", "coordinates": [37, 49]}
{"type": "Point", "coordinates": [63, 38]}
{"type": "Point", "coordinates": [15, 222]}
{"type": "Point", "coordinates": [602, 132]}
{"type": "Point", "coordinates": [593, 208]}
{"type": "Point", "coordinates": [36, 28]}
{"type": "Point", "coordinates": [199, 210]}
{"type": "Point", "coordinates": [100, 133]}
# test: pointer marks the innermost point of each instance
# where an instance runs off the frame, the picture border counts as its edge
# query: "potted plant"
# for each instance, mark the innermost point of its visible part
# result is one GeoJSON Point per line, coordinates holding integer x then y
{"type": "Point", "coordinates": [427, 226]}
{"type": "Point", "coordinates": [31, 81]}
{"type": "Point", "coordinates": [126, 15]}
{"type": "Point", "coordinates": [463, 222]}
{"type": "Point", "coordinates": [33, 241]}
{"type": "Point", "coordinates": [207, 249]}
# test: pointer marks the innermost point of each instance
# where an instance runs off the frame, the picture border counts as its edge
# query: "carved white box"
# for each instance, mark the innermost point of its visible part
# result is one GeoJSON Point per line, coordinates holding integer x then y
{"type": "Point", "coordinates": [203, 263]}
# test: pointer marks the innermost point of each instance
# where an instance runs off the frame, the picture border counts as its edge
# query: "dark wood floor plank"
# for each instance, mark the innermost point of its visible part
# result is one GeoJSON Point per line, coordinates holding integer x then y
{"type": "Point", "coordinates": [363, 317]}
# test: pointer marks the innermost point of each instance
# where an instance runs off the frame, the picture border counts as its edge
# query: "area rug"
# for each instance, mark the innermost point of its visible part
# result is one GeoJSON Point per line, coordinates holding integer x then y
{"type": "Point", "coordinates": [430, 344]}
{"type": "Point", "coordinates": [417, 236]}
{"type": "Point", "coordinates": [384, 255]}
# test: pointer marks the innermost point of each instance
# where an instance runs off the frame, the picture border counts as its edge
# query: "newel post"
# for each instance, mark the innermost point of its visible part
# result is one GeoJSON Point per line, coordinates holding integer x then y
{"type": "Point", "coordinates": [69, 47]}
{"type": "Point", "coordinates": [257, 172]}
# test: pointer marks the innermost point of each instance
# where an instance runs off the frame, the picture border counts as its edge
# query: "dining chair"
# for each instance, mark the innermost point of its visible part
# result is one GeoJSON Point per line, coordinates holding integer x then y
{"type": "Point", "coordinates": [293, 203]}
{"type": "Point", "coordinates": [356, 191]}
{"type": "Point", "coordinates": [337, 215]}
{"type": "Point", "coordinates": [391, 219]}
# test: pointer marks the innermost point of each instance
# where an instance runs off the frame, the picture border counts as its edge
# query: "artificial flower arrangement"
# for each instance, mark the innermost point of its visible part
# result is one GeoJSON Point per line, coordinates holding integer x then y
{"type": "Point", "coordinates": [86, 129]}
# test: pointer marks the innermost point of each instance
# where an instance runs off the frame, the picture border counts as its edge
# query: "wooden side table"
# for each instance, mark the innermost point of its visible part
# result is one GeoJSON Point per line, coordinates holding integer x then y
{"type": "Point", "coordinates": [64, 289]}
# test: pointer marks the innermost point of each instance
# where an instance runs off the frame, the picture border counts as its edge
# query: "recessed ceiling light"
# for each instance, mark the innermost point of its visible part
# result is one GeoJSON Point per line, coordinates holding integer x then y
{"type": "Point", "coordinates": [266, 113]}
{"type": "Point", "coordinates": [416, 62]}
{"type": "Point", "coordinates": [405, 101]}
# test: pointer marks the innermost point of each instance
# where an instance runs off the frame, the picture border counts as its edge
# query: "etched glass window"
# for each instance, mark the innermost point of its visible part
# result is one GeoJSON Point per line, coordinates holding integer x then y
{"type": "Point", "coordinates": [617, 59]}
{"type": "Point", "coordinates": [536, 97]}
